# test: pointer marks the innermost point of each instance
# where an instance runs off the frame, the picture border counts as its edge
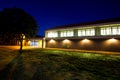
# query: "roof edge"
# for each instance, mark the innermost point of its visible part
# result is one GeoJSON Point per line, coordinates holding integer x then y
{"type": "Point", "coordinates": [96, 22]}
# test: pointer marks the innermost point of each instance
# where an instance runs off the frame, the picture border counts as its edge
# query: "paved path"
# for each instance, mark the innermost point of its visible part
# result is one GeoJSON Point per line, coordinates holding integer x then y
{"type": "Point", "coordinates": [76, 50]}
{"type": "Point", "coordinates": [89, 51]}
{"type": "Point", "coordinates": [17, 47]}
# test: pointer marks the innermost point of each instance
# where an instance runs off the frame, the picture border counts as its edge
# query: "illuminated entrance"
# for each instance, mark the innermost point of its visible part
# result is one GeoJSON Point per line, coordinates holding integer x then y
{"type": "Point", "coordinates": [37, 43]}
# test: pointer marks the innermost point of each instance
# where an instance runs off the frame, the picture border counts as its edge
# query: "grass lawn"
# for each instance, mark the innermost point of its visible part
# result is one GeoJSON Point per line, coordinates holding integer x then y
{"type": "Point", "coordinates": [47, 64]}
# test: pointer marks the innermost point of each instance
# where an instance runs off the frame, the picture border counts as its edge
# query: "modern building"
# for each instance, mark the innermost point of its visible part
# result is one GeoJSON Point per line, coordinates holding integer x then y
{"type": "Point", "coordinates": [98, 35]}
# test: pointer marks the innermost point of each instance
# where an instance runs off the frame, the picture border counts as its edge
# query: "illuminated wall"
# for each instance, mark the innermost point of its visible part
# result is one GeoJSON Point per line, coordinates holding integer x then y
{"type": "Point", "coordinates": [110, 44]}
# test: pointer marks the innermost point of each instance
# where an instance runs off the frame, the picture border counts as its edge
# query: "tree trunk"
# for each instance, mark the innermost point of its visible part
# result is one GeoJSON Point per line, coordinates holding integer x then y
{"type": "Point", "coordinates": [21, 45]}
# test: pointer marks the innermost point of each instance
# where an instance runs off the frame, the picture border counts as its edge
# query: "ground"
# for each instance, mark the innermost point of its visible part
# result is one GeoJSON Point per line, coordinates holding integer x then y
{"type": "Point", "coordinates": [55, 64]}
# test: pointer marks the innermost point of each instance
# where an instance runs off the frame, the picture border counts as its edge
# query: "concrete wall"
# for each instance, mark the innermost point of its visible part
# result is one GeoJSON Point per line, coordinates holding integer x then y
{"type": "Point", "coordinates": [85, 44]}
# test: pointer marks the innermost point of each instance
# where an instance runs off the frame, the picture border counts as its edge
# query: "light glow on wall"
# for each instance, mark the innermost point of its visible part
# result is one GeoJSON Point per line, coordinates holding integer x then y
{"type": "Point", "coordinates": [52, 41]}
{"type": "Point", "coordinates": [66, 41]}
{"type": "Point", "coordinates": [112, 41]}
{"type": "Point", "coordinates": [85, 40]}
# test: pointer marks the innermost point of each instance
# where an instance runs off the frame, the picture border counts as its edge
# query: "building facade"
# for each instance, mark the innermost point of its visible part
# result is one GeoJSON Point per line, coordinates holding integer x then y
{"type": "Point", "coordinates": [102, 35]}
{"type": "Point", "coordinates": [36, 41]}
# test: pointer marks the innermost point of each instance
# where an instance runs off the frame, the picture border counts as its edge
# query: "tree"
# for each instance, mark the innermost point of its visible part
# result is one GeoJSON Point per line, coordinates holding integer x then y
{"type": "Point", "coordinates": [16, 23]}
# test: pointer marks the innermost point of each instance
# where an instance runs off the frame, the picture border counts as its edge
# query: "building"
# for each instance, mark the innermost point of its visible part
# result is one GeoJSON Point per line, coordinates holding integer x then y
{"type": "Point", "coordinates": [37, 41]}
{"type": "Point", "coordinates": [98, 35]}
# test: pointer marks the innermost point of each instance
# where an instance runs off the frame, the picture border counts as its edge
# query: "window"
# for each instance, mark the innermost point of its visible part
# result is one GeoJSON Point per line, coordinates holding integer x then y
{"type": "Point", "coordinates": [34, 43]}
{"type": "Point", "coordinates": [110, 31]}
{"type": "Point", "coordinates": [119, 30]}
{"type": "Point", "coordinates": [67, 33]}
{"type": "Point", "coordinates": [83, 32]}
{"type": "Point", "coordinates": [86, 32]}
{"type": "Point", "coordinates": [103, 31]}
{"type": "Point", "coordinates": [114, 30]}
{"type": "Point", "coordinates": [52, 34]}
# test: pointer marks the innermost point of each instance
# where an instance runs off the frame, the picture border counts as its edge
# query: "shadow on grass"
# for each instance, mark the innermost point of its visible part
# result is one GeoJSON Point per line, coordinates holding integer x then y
{"type": "Point", "coordinates": [40, 73]}
{"type": "Point", "coordinates": [14, 70]}
{"type": "Point", "coordinates": [47, 68]}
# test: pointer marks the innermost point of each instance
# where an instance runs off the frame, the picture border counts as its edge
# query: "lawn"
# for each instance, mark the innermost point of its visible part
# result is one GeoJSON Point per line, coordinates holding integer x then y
{"type": "Point", "coordinates": [47, 64]}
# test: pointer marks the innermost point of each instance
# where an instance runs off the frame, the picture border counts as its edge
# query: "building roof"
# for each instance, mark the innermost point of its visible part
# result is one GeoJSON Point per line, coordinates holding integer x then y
{"type": "Point", "coordinates": [92, 23]}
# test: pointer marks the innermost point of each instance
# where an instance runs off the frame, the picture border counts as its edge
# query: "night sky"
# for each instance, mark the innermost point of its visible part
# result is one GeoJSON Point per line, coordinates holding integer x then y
{"type": "Point", "coordinates": [51, 13]}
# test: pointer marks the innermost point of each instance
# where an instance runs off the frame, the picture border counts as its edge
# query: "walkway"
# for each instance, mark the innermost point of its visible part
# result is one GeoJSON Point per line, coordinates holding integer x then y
{"type": "Point", "coordinates": [17, 47]}
{"type": "Point", "coordinates": [76, 50]}
{"type": "Point", "coordinates": [87, 51]}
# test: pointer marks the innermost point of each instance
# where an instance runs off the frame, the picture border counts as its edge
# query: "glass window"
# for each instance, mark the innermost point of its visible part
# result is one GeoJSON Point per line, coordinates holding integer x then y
{"type": "Point", "coordinates": [61, 34]}
{"type": "Point", "coordinates": [70, 33]}
{"type": "Point", "coordinates": [108, 31]}
{"type": "Point", "coordinates": [67, 33]}
{"type": "Point", "coordinates": [79, 32]}
{"type": "Point", "coordinates": [118, 30]}
{"type": "Point", "coordinates": [52, 34]}
{"type": "Point", "coordinates": [64, 33]}
{"type": "Point", "coordinates": [83, 32]}
{"type": "Point", "coordinates": [103, 31]}
{"type": "Point", "coordinates": [114, 30]}
{"type": "Point", "coordinates": [34, 43]}
{"type": "Point", "coordinates": [86, 32]}
{"type": "Point", "coordinates": [92, 32]}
